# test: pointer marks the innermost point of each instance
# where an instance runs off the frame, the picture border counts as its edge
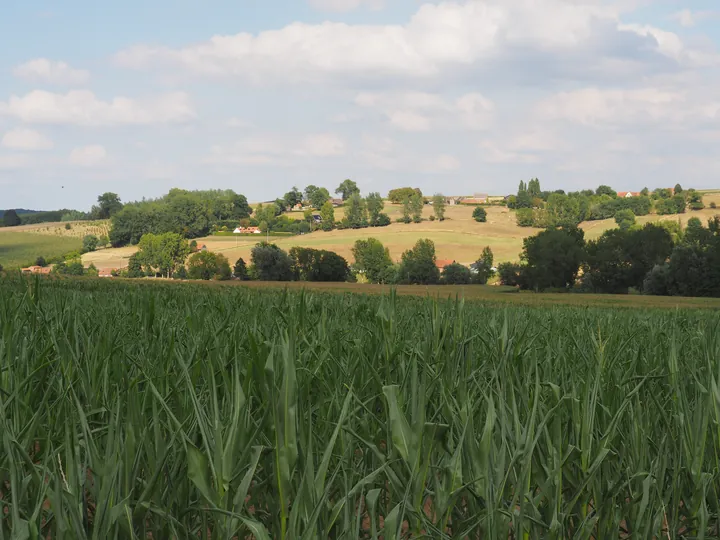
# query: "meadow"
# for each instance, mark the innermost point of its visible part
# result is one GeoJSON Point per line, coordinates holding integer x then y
{"type": "Point", "coordinates": [22, 248]}
{"type": "Point", "coordinates": [152, 410]}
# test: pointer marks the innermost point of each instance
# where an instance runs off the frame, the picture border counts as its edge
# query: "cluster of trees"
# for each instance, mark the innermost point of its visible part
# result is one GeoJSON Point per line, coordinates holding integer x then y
{"type": "Point", "coordinates": [543, 209]}
{"type": "Point", "coordinates": [190, 214]}
{"type": "Point", "coordinates": [397, 196]}
{"type": "Point", "coordinates": [108, 205]}
{"type": "Point", "coordinates": [661, 259]}
{"type": "Point", "coordinates": [417, 266]}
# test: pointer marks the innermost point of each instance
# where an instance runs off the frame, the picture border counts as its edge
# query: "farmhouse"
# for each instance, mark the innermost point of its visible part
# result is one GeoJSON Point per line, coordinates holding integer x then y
{"type": "Point", "coordinates": [442, 263]}
{"type": "Point", "coordinates": [478, 198]}
{"type": "Point", "coordinates": [628, 194]}
{"type": "Point", "coordinates": [336, 202]}
{"type": "Point", "coordinates": [37, 270]}
{"type": "Point", "coordinates": [247, 230]}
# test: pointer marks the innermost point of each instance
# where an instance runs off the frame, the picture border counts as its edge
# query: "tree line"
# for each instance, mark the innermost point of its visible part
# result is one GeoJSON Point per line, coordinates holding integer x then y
{"type": "Point", "coordinates": [542, 209]}
{"type": "Point", "coordinates": [656, 259]}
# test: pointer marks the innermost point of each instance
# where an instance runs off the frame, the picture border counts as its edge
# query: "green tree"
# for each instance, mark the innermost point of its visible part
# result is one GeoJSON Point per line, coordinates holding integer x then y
{"type": "Point", "coordinates": [525, 217]}
{"type": "Point", "coordinates": [418, 264]}
{"type": "Point", "coordinates": [371, 259]}
{"type": "Point", "coordinates": [375, 206]}
{"type": "Point", "coordinates": [317, 196]}
{"type": "Point", "coordinates": [406, 210]}
{"type": "Point", "coordinates": [40, 261]}
{"type": "Point", "coordinates": [207, 265]}
{"type": "Point", "coordinates": [606, 190]}
{"type": "Point", "coordinates": [109, 204]}
{"type": "Point", "coordinates": [90, 243]}
{"type": "Point", "coordinates": [347, 189]}
{"type": "Point", "coordinates": [479, 214]}
{"type": "Point", "coordinates": [270, 263]}
{"type": "Point", "coordinates": [293, 197]}
{"type": "Point", "coordinates": [356, 212]}
{"type": "Point", "coordinates": [552, 258]}
{"type": "Point", "coordinates": [563, 211]}
{"type": "Point", "coordinates": [397, 196]}
{"type": "Point", "coordinates": [456, 274]}
{"type": "Point", "coordinates": [327, 213]}
{"type": "Point", "coordinates": [162, 253]}
{"type": "Point", "coordinates": [416, 207]}
{"type": "Point", "coordinates": [678, 189]}
{"type": "Point", "coordinates": [11, 219]}
{"type": "Point", "coordinates": [645, 192]}
{"type": "Point", "coordinates": [135, 267]}
{"type": "Point", "coordinates": [483, 267]}
{"type": "Point", "coordinates": [694, 200]}
{"type": "Point", "coordinates": [438, 201]}
{"type": "Point", "coordinates": [240, 270]}
{"type": "Point", "coordinates": [625, 219]}
{"type": "Point", "coordinates": [533, 188]}
{"type": "Point", "coordinates": [318, 265]}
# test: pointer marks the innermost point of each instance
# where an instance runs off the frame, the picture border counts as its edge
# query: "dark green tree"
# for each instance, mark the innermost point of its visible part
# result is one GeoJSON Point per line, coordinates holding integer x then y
{"type": "Point", "coordinates": [293, 197]}
{"type": "Point", "coordinates": [439, 206]}
{"type": "Point", "coordinates": [240, 270]}
{"type": "Point", "coordinates": [11, 219]}
{"type": "Point", "coordinates": [90, 243]}
{"type": "Point", "coordinates": [347, 188]}
{"type": "Point", "coordinates": [479, 214]}
{"type": "Point", "coordinates": [207, 265]}
{"type": "Point", "coordinates": [456, 274]}
{"type": "Point", "coordinates": [418, 264]}
{"type": "Point", "coordinates": [371, 259]}
{"type": "Point", "coordinates": [552, 258]}
{"type": "Point", "coordinates": [625, 219]}
{"type": "Point", "coordinates": [270, 263]}
{"type": "Point", "coordinates": [606, 190]}
{"type": "Point", "coordinates": [375, 205]}
{"type": "Point", "coordinates": [356, 212]}
{"type": "Point", "coordinates": [483, 267]}
{"type": "Point", "coordinates": [108, 205]}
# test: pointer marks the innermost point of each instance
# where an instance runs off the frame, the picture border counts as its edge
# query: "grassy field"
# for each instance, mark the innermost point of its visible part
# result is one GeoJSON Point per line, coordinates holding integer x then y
{"type": "Point", "coordinates": [22, 248]}
{"type": "Point", "coordinates": [150, 410]}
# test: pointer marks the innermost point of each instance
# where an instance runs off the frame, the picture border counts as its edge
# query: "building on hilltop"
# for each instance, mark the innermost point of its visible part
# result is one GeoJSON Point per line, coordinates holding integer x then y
{"type": "Point", "coordinates": [628, 194]}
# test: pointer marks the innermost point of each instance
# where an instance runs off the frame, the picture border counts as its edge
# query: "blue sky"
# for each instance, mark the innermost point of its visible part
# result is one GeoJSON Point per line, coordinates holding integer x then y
{"type": "Point", "coordinates": [458, 97]}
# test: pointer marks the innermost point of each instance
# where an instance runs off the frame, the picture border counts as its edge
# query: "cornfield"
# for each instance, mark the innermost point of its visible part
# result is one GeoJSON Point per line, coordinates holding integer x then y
{"type": "Point", "coordinates": [180, 411]}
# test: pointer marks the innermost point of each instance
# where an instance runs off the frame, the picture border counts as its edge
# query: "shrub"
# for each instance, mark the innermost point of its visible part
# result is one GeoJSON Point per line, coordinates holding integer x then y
{"type": "Point", "coordinates": [525, 217]}
{"type": "Point", "coordinates": [68, 226]}
{"type": "Point", "coordinates": [479, 214]}
{"type": "Point", "coordinates": [432, 218]}
{"type": "Point", "coordinates": [90, 243]}
{"type": "Point", "coordinates": [510, 274]}
{"type": "Point", "coordinates": [40, 261]}
{"type": "Point", "coordinates": [713, 205]}
{"type": "Point", "coordinates": [270, 263]}
{"type": "Point", "coordinates": [383, 220]}
{"type": "Point", "coordinates": [207, 265]}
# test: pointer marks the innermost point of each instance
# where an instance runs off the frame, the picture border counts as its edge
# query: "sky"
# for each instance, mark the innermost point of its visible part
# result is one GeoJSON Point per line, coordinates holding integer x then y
{"type": "Point", "coordinates": [140, 96]}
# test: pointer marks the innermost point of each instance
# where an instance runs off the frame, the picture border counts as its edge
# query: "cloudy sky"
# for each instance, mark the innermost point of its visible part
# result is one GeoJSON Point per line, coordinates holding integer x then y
{"type": "Point", "coordinates": [459, 97]}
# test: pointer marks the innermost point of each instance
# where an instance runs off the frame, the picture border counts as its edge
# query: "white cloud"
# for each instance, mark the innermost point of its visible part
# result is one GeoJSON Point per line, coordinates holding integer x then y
{"type": "Point", "coordinates": [48, 71]}
{"type": "Point", "coordinates": [418, 111]}
{"type": "Point", "coordinates": [88, 156]}
{"type": "Point", "coordinates": [437, 37]}
{"type": "Point", "coordinates": [279, 150]}
{"type": "Point", "coordinates": [608, 107]}
{"type": "Point", "coordinates": [689, 18]}
{"type": "Point", "coordinates": [83, 108]}
{"type": "Point", "coordinates": [26, 139]}
{"type": "Point", "coordinates": [346, 5]}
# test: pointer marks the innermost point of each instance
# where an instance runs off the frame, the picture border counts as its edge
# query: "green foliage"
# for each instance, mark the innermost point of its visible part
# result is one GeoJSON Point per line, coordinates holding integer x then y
{"type": "Point", "coordinates": [163, 253]}
{"type": "Point", "coordinates": [625, 219]}
{"type": "Point", "coordinates": [673, 205]}
{"type": "Point", "coordinates": [270, 263]}
{"type": "Point", "coordinates": [375, 205]}
{"type": "Point", "coordinates": [406, 210]}
{"type": "Point", "coordinates": [606, 190]}
{"type": "Point", "coordinates": [397, 196]}
{"type": "Point", "coordinates": [439, 206]}
{"type": "Point", "coordinates": [40, 261]}
{"type": "Point", "coordinates": [293, 197]}
{"type": "Point", "coordinates": [191, 214]}
{"type": "Point", "coordinates": [90, 243]}
{"type": "Point", "coordinates": [694, 200]}
{"type": "Point", "coordinates": [327, 213]}
{"type": "Point", "coordinates": [289, 415]}
{"type": "Point", "coordinates": [11, 218]}
{"type": "Point", "coordinates": [418, 264]}
{"type": "Point", "coordinates": [72, 267]}
{"type": "Point", "coordinates": [525, 217]}
{"type": "Point", "coordinates": [621, 259]}
{"type": "Point", "coordinates": [317, 196]}
{"type": "Point", "coordinates": [416, 207]}
{"type": "Point", "coordinates": [68, 226]}
{"type": "Point", "coordinates": [347, 189]}
{"type": "Point", "coordinates": [74, 215]}
{"type": "Point", "coordinates": [372, 259]}
{"type": "Point", "coordinates": [483, 267]}
{"type": "Point", "coordinates": [180, 273]}
{"type": "Point", "coordinates": [479, 214]}
{"type": "Point", "coordinates": [318, 265]}
{"type": "Point", "coordinates": [108, 205]}
{"type": "Point", "coordinates": [552, 259]}
{"type": "Point", "coordinates": [456, 274]}
{"type": "Point", "coordinates": [208, 265]}
{"type": "Point", "coordinates": [240, 270]}
{"type": "Point", "coordinates": [510, 274]}
{"type": "Point", "coordinates": [135, 267]}
{"type": "Point", "coordinates": [563, 211]}
{"type": "Point", "coordinates": [356, 211]}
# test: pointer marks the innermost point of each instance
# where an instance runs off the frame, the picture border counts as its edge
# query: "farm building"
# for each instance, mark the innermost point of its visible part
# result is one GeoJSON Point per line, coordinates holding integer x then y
{"type": "Point", "coordinates": [628, 194]}
{"type": "Point", "coordinates": [478, 198]}
{"type": "Point", "coordinates": [442, 263]}
{"type": "Point", "coordinates": [247, 230]}
{"type": "Point", "coordinates": [37, 270]}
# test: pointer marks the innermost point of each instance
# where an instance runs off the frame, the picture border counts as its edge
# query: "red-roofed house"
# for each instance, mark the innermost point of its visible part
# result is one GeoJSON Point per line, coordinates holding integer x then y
{"type": "Point", "coordinates": [37, 270]}
{"type": "Point", "coordinates": [628, 194]}
{"type": "Point", "coordinates": [442, 263]}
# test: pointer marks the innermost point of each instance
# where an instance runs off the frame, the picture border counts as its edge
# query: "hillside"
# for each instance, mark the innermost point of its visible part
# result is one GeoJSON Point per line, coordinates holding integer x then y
{"type": "Point", "coordinates": [458, 238]}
